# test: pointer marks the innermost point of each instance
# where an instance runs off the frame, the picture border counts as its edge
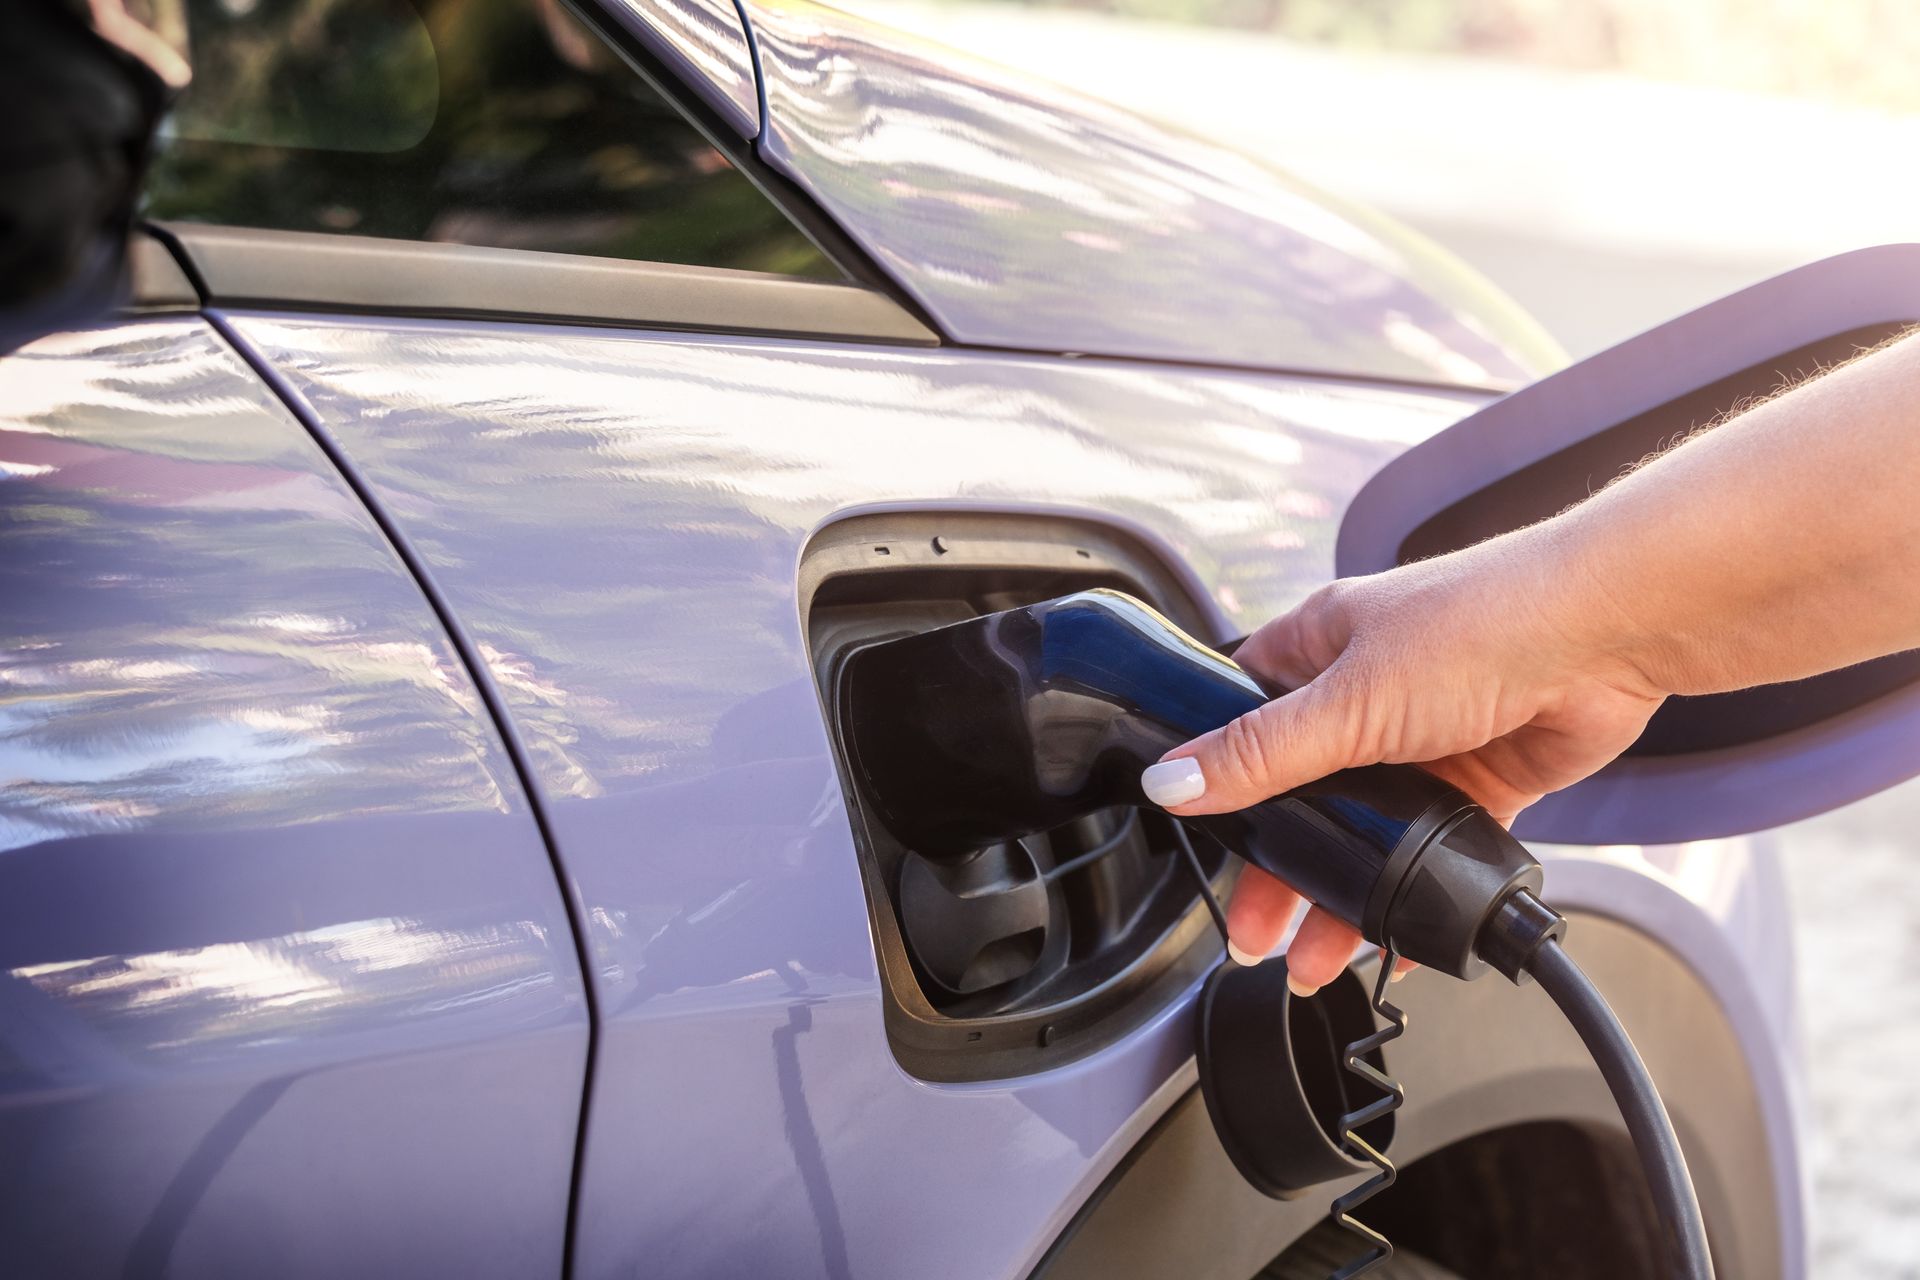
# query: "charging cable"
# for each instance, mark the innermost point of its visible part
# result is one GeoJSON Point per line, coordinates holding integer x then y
{"type": "Point", "coordinates": [1522, 941]}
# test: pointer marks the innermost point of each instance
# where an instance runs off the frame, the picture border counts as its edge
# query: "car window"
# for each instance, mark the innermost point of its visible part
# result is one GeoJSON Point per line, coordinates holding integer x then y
{"type": "Point", "coordinates": [506, 123]}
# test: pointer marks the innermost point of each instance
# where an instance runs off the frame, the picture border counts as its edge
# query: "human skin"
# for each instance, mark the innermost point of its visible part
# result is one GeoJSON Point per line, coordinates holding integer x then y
{"type": "Point", "coordinates": [1782, 543]}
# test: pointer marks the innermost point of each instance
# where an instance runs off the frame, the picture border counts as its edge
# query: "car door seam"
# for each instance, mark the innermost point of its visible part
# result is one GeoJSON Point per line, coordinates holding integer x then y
{"type": "Point", "coordinates": [759, 77]}
{"type": "Point", "coordinates": [481, 675]}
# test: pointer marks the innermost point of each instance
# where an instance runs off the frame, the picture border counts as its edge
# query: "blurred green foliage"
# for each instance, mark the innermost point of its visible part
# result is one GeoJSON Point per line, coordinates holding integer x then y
{"type": "Point", "coordinates": [490, 122]}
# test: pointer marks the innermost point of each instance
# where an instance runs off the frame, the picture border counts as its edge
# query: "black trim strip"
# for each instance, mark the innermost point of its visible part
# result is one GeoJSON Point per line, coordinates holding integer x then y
{"type": "Point", "coordinates": [482, 677]}
{"type": "Point", "coordinates": [759, 76]}
{"type": "Point", "coordinates": [827, 235]}
{"type": "Point", "coordinates": [303, 271]}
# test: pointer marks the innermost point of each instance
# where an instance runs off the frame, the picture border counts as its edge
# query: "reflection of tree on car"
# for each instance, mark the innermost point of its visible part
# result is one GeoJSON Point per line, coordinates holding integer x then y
{"type": "Point", "coordinates": [489, 122]}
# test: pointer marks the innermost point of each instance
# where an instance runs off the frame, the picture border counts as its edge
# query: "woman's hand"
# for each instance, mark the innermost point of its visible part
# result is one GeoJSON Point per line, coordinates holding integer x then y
{"type": "Point", "coordinates": [1777, 545]}
{"type": "Point", "coordinates": [1483, 666]}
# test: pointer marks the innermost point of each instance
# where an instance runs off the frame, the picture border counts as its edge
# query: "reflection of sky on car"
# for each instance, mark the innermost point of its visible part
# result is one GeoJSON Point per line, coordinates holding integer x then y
{"type": "Point", "coordinates": [163, 553]}
{"type": "Point", "coordinates": [208, 999]}
{"type": "Point", "coordinates": [1023, 215]}
{"type": "Point", "coordinates": [262, 858]}
{"type": "Point", "coordinates": [222, 696]}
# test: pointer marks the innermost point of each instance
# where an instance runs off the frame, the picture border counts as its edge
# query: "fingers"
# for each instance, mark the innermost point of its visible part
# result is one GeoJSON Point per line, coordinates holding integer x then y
{"type": "Point", "coordinates": [1319, 952]}
{"type": "Point", "coordinates": [1258, 915]}
{"type": "Point", "coordinates": [1469, 772]}
{"type": "Point", "coordinates": [1289, 741]}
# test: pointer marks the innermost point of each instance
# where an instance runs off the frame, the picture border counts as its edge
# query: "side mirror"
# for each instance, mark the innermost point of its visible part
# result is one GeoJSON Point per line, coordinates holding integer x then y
{"type": "Point", "coordinates": [1708, 766]}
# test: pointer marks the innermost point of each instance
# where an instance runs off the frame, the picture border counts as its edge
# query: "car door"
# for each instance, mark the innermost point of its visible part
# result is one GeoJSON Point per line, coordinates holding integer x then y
{"type": "Point", "coordinates": [287, 986]}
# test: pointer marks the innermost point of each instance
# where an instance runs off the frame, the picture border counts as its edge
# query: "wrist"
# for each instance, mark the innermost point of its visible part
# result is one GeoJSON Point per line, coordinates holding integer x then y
{"type": "Point", "coordinates": [1586, 616]}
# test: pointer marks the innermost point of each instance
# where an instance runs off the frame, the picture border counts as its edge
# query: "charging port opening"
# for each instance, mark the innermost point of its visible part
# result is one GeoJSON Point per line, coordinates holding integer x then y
{"type": "Point", "coordinates": [1033, 952]}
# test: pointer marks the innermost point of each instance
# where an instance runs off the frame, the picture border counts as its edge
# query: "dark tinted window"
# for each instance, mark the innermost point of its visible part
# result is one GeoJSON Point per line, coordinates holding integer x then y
{"type": "Point", "coordinates": [488, 122]}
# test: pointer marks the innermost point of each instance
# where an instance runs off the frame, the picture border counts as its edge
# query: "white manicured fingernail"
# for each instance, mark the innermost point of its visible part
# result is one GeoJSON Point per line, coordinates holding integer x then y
{"type": "Point", "coordinates": [1242, 957]}
{"type": "Point", "coordinates": [1173, 782]}
{"type": "Point", "coordinates": [1398, 974]}
{"type": "Point", "coordinates": [1299, 988]}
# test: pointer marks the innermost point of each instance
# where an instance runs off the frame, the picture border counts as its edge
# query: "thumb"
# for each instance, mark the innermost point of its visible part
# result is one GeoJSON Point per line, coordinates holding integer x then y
{"type": "Point", "coordinates": [1294, 739]}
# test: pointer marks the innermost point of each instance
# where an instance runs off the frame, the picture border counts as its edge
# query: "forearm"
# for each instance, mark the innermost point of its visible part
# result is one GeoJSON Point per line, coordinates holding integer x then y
{"type": "Point", "coordinates": [1783, 543]}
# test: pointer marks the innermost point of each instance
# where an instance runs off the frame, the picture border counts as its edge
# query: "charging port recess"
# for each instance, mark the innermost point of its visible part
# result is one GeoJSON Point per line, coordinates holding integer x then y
{"type": "Point", "coordinates": [1035, 952]}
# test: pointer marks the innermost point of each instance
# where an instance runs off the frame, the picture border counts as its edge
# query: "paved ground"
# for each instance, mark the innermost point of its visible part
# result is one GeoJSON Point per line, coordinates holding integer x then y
{"type": "Point", "coordinates": [1604, 205]}
{"type": "Point", "coordinates": [1857, 927]}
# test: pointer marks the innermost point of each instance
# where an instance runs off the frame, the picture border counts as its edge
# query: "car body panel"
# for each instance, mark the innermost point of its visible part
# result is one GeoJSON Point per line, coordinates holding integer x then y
{"type": "Point", "coordinates": [286, 984]}
{"type": "Point", "coordinates": [1020, 215]}
{"type": "Point", "coordinates": [618, 518]}
{"type": "Point", "coordinates": [704, 43]}
{"type": "Point", "coordinates": [296, 986]}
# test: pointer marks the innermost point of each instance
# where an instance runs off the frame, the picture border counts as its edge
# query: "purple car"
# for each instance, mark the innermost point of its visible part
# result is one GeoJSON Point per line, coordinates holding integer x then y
{"type": "Point", "coordinates": [425, 847]}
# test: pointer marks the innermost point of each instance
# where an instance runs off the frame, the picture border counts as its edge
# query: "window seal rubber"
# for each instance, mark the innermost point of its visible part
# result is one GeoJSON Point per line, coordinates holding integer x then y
{"type": "Point", "coordinates": [243, 267]}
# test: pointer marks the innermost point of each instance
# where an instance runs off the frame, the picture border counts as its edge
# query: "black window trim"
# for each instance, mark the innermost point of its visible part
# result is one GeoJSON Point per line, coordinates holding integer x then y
{"type": "Point", "coordinates": [813, 222]}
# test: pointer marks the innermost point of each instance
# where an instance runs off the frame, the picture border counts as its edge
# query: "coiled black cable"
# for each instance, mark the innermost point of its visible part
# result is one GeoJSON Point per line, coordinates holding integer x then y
{"type": "Point", "coordinates": [1521, 938]}
{"type": "Point", "coordinates": [1684, 1233]}
{"type": "Point", "coordinates": [1393, 1094]}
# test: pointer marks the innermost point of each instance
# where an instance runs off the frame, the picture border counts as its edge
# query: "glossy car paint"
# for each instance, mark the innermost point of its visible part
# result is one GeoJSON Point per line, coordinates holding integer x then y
{"type": "Point", "coordinates": [704, 44]}
{"type": "Point", "coordinates": [286, 986]}
{"type": "Point", "coordinates": [618, 519]}
{"type": "Point", "coordinates": [1021, 215]}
